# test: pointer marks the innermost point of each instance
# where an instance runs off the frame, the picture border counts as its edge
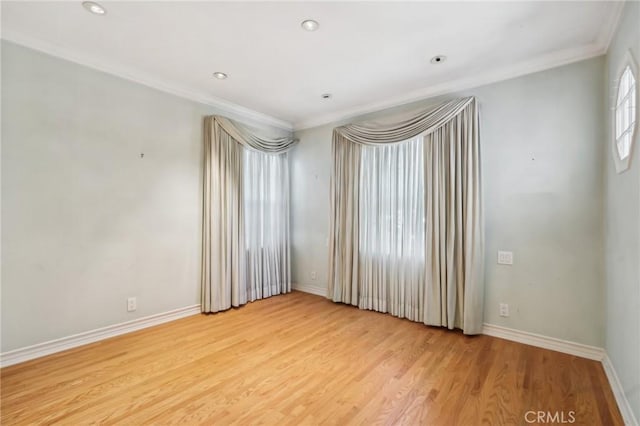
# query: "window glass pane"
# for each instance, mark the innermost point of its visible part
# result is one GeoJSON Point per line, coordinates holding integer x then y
{"type": "Point", "coordinates": [632, 107]}
{"type": "Point", "coordinates": [625, 113]}
{"type": "Point", "coordinates": [264, 189]}
{"type": "Point", "coordinates": [624, 109]}
{"type": "Point", "coordinates": [618, 122]}
{"type": "Point", "coordinates": [392, 201]}
{"type": "Point", "coordinates": [624, 146]}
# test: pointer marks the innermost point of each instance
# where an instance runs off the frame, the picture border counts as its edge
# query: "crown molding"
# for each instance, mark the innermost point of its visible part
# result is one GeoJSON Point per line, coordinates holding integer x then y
{"type": "Point", "coordinates": [237, 112]}
{"type": "Point", "coordinates": [610, 27]}
{"type": "Point", "coordinates": [552, 60]}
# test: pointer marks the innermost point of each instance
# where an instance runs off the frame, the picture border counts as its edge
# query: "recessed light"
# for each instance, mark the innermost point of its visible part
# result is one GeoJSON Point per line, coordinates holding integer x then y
{"type": "Point", "coordinates": [220, 75]}
{"type": "Point", "coordinates": [94, 8]}
{"type": "Point", "coordinates": [438, 59]}
{"type": "Point", "coordinates": [310, 25]}
{"type": "Point", "coordinates": [326, 96]}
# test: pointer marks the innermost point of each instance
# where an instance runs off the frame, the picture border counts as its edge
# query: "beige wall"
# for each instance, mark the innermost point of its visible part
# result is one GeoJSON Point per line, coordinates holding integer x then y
{"type": "Point", "coordinates": [541, 138]}
{"type": "Point", "coordinates": [622, 228]}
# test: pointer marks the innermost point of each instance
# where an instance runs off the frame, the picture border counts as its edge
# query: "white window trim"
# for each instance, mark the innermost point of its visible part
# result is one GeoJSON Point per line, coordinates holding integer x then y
{"type": "Point", "coordinates": [623, 164]}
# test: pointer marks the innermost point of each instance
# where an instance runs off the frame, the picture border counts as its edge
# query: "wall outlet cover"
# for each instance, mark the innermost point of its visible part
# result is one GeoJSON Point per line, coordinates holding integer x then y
{"type": "Point", "coordinates": [504, 309]}
{"type": "Point", "coordinates": [132, 304]}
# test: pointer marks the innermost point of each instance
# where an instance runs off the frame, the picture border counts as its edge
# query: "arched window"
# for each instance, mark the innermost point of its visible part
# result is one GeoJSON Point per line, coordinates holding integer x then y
{"type": "Point", "coordinates": [625, 117]}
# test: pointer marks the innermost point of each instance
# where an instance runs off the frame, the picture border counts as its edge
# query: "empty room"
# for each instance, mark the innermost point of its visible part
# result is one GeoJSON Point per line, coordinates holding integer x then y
{"type": "Point", "coordinates": [331, 212]}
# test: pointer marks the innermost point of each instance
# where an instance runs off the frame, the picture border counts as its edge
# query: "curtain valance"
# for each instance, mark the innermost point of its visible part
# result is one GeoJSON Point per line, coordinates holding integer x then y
{"type": "Point", "coordinates": [247, 138]}
{"type": "Point", "coordinates": [421, 123]}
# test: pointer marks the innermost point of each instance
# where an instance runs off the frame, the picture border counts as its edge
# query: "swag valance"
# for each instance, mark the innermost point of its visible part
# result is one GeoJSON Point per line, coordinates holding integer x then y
{"type": "Point", "coordinates": [421, 123]}
{"type": "Point", "coordinates": [246, 137]}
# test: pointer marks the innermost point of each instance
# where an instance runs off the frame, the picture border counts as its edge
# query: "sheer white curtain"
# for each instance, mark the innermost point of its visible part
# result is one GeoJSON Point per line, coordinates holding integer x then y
{"type": "Point", "coordinates": [392, 228]}
{"type": "Point", "coordinates": [266, 223]}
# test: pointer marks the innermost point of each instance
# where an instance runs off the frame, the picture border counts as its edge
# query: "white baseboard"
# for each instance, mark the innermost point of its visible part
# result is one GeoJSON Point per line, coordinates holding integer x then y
{"type": "Point", "coordinates": [572, 348]}
{"type": "Point", "coordinates": [47, 348]}
{"type": "Point", "coordinates": [559, 345]}
{"type": "Point", "coordinates": [618, 392]}
{"type": "Point", "coordinates": [310, 288]}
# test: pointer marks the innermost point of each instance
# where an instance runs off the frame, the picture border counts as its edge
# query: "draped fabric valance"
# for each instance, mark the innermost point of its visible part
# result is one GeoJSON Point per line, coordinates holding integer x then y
{"type": "Point", "coordinates": [249, 139]}
{"type": "Point", "coordinates": [422, 123]}
{"type": "Point", "coordinates": [245, 241]}
{"type": "Point", "coordinates": [397, 188]}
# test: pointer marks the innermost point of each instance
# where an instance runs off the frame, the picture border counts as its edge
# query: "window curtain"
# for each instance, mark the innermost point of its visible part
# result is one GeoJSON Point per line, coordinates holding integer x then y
{"type": "Point", "coordinates": [441, 285]}
{"type": "Point", "coordinates": [392, 228]}
{"type": "Point", "coordinates": [245, 241]}
{"type": "Point", "coordinates": [266, 223]}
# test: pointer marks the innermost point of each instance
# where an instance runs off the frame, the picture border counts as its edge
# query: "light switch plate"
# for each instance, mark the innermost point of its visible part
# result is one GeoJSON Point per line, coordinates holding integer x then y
{"type": "Point", "coordinates": [505, 257]}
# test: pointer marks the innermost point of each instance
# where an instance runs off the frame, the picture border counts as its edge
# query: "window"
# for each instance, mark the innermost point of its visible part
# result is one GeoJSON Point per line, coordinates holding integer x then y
{"type": "Point", "coordinates": [625, 114]}
{"type": "Point", "coordinates": [265, 194]}
{"type": "Point", "coordinates": [391, 205]}
{"type": "Point", "coordinates": [265, 189]}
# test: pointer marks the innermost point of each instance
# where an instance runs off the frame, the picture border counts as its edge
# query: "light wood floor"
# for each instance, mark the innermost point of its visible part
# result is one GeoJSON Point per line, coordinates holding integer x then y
{"type": "Point", "coordinates": [300, 359]}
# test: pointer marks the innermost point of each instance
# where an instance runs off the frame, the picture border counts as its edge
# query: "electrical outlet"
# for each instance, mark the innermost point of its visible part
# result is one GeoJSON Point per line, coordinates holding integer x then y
{"type": "Point", "coordinates": [505, 258]}
{"type": "Point", "coordinates": [314, 275]}
{"type": "Point", "coordinates": [132, 304]}
{"type": "Point", "coordinates": [504, 309]}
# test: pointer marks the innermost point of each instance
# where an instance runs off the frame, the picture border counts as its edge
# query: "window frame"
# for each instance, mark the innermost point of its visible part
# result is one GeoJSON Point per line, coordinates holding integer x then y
{"type": "Point", "coordinates": [620, 163]}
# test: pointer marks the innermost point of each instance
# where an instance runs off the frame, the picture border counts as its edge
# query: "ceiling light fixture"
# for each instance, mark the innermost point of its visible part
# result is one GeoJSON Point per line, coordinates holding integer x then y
{"type": "Point", "coordinates": [438, 59]}
{"type": "Point", "coordinates": [310, 25]}
{"type": "Point", "coordinates": [220, 75]}
{"type": "Point", "coordinates": [326, 96]}
{"type": "Point", "coordinates": [94, 8]}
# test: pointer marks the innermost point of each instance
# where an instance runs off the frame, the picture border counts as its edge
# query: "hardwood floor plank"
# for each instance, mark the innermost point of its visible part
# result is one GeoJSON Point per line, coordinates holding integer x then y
{"type": "Point", "coordinates": [300, 359]}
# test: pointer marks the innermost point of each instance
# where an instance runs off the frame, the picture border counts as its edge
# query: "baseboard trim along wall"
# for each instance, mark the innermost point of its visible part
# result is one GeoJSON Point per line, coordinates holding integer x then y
{"type": "Point", "coordinates": [572, 348]}
{"type": "Point", "coordinates": [311, 288]}
{"type": "Point", "coordinates": [538, 340]}
{"type": "Point", "coordinates": [618, 392]}
{"type": "Point", "coordinates": [58, 345]}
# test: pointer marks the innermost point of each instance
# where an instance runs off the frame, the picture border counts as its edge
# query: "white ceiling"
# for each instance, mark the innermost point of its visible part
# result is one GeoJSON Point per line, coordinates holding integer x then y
{"type": "Point", "coordinates": [369, 55]}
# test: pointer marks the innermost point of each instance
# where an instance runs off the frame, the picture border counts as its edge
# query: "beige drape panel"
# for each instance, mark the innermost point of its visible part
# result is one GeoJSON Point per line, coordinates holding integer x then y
{"type": "Point", "coordinates": [450, 292]}
{"type": "Point", "coordinates": [229, 265]}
